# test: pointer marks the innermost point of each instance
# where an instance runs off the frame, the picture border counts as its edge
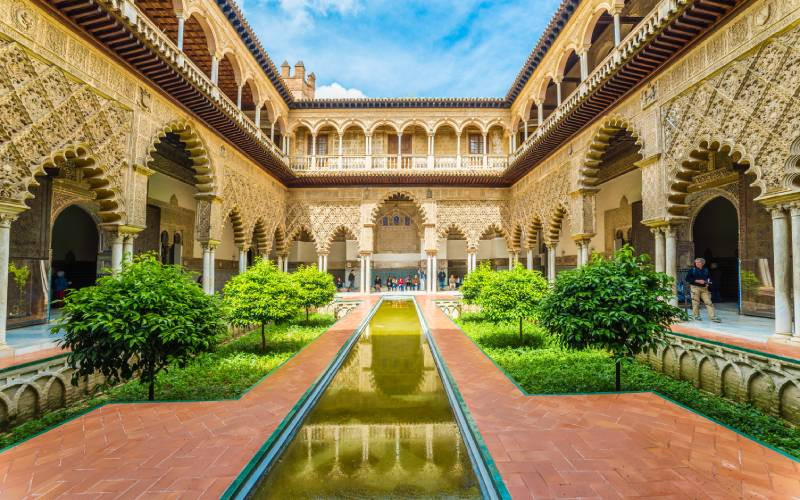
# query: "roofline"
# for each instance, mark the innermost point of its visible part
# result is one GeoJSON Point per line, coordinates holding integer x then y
{"type": "Point", "coordinates": [550, 35]}
{"type": "Point", "coordinates": [234, 15]}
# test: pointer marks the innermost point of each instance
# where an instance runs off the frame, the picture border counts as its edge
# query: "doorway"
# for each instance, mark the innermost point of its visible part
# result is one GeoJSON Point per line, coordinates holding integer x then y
{"type": "Point", "coordinates": [716, 238]}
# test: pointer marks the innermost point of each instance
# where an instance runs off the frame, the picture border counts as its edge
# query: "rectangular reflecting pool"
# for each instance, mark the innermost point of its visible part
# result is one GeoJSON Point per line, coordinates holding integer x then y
{"type": "Point", "coordinates": [383, 427]}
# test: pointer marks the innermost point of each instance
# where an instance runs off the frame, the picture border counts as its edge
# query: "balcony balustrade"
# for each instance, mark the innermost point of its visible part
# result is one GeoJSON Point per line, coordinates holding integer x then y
{"type": "Point", "coordinates": [377, 162]}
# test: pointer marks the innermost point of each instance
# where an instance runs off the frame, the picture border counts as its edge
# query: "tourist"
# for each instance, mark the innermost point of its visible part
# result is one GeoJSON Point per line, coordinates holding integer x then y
{"type": "Point", "coordinates": [351, 280]}
{"type": "Point", "coordinates": [400, 284]}
{"type": "Point", "coordinates": [339, 283]}
{"type": "Point", "coordinates": [378, 283]}
{"type": "Point", "coordinates": [452, 282]}
{"type": "Point", "coordinates": [60, 285]}
{"type": "Point", "coordinates": [699, 280]}
{"type": "Point", "coordinates": [415, 283]}
{"type": "Point", "coordinates": [458, 282]}
{"type": "Point", "coordinates": [421, 279]}
{"type": "Point", "coordinates": [441, 276]}
{"type": "Point", "coordinates": [409, 284]}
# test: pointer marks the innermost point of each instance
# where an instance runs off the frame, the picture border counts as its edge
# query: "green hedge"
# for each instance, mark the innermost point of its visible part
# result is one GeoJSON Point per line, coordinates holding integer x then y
{"type": "Point", "coordinates": [225, 373]}
{"type": "Point", "coordinates": [539, 366]}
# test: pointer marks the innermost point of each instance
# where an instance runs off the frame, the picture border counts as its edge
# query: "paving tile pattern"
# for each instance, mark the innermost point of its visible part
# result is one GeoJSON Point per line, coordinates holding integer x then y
{"type": "Point", "coordinates": [165, 450]}
{"type": "Point", "coordinates": [605, 446]}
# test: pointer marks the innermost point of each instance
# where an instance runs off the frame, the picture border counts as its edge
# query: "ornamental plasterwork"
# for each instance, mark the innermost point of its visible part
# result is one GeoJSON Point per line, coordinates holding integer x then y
{"type": "Point", "coordinates": [542, 200]}
{"type": "Point", "coordinates": [698, 200]}
{"type": "Point", "coordinates": [748, 108]}
{"type": "Point", "coordinates": [255, 200]}
{"type": "Point", "coordinates": [47, 116]}
{"type": "Point", "coordinates": [473, 218]}
{"type": "Point", "coordinates": [322, 220]}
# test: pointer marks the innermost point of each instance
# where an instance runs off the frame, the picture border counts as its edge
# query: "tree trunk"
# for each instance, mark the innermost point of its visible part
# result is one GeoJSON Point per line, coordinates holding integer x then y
{"type": "Point", "coordinates": [520, 330]}
{"type": "Point", "coordinates": [306, 314]}
{"type": "Point", "coordinates": [617, 380]}
{"type": "Point", "coordinates": [263, 339]}
{"type": "Point", "coordinates": [151, 391]}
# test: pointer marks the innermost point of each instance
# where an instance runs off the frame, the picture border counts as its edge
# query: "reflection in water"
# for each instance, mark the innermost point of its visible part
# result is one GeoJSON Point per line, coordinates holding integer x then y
{"type": "Point", "coordinates": [383, 427]}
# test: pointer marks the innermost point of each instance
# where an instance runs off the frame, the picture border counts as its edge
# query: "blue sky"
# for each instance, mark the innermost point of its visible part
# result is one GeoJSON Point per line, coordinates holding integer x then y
{"type": "Point", "coordinates": [403, 48]}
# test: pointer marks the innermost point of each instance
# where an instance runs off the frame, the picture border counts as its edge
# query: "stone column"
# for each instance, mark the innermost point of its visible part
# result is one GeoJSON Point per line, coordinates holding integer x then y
{"type": "Point", "coordinates": [458, 150]}
{"type": "Point", "coordinates": [529, 259]}
{"type": "Point", "coordinates": [340, 160]}
{"type": "Point", "coordinates": [512, 259]}
{"type": "Point", "coordinates": [239, 96]}
{"type": "Point", "coordinates": [428, 273]}
{"type": "Point", "coordinates": [485, 151]}
{"type": "Point", "coordinates": [206, 268]}
{"type": "Point", "coordinates": [526, 130]}
{"type": "Point", "coordinates": [671, 260]}
{"type": "Point", "coordinates": [795, 214]}
{"type": "Point", "coordinates": [435, 280]}
{"type": "Point", "coordinates": [368, 273]}
{"type": "Point", "coordinates": [617, 30]}
{"type": "Point", "coordinates": [272, 132]}
{"type": "Point", "coordinates": [258, 117]}
{"type": "Point", "coordinates": [539, 113]}
{"type": "Point", "coordinates": [400, 149]}
{"type": "Point", "coordinates": [286, 263]}
{"type": "Point", "coordinates": [325, 262]}
{"type": "Point", "coordinates": [584, 57]}
{"type": "Point", "coordinates": [658, 258]}
{"type": "Point", "coordinates": [551, 262]}
{"type": "Point", "coordinates": [181, 22]}
{"type": "Point", "coordinates": [242, 259]}
{"type": "Point", "coordinates": [558, 93]}
{"type": "Point", "coordinates": [280, 262]}
{"type": "Point", "coordinates": [319, 261]}
{"type": "Point", "coordinates": [127, 248]}
{"type": "Point", "coordinates": [430, 151]}
{"type": "Point", "coordinates": [213, 274]}
{"type": "Point", "coordinates": [782, 258]}
{"type": "Point", "coordinates": [117, 242]}
{"type": "Point", "coordinates": [368, 150]}
{"type": "Point", "coordinates": [6, 218]}
{"type": "Point", "coordinates": [214, 69]}
{"type": "Point", "coordinates": [313, 151]}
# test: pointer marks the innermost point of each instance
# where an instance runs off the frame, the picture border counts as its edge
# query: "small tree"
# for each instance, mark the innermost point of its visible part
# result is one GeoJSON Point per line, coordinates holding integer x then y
{"type": "Point", "coordinates": [260, 295]}
{"type": "Point", "coordinates": [141, 321]}
{"type": "Point", "coordinates": [316, 287]}
{"type": "Point", "coordinates": [512, 295]}
{"type": "Point", "coordinates": [617, 304]}
{"type": "Point", "coordinates": [474, 281]}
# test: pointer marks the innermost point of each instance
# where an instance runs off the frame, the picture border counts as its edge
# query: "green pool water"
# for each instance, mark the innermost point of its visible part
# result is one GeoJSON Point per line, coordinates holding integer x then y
{"type": "Point", "coordinates": [383, 428]}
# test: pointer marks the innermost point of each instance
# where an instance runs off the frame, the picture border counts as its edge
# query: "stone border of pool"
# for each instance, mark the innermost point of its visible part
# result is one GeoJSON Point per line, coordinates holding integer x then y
{"type": "Point", "coordinates": [255, 470]}
{"type": "Point", "coordinates": [491, 482]}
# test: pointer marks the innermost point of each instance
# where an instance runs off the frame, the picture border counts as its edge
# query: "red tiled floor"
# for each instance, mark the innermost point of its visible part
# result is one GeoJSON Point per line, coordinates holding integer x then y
{"type": "Point", "coordinates": [166, 450]}
{"type": "Point", "coordinates": [13, 360]}
{"type": "Point", "coordinates": [605, 446]}
{"type": "Point", "coordinates": [772, 347]}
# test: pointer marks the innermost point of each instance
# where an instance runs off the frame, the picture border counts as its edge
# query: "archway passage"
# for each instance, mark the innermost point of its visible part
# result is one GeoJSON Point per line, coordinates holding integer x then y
{"type": "Point", "coordinates": [398, 240]}
{"type": "Point", "coordinates": [75, 247]}
{"type": "Point", "coordinates": [715, 233]}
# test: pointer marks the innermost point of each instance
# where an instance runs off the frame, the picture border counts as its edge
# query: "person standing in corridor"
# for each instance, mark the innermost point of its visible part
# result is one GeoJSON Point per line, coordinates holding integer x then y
{"type": "Point", "coordinates": [699, 280]}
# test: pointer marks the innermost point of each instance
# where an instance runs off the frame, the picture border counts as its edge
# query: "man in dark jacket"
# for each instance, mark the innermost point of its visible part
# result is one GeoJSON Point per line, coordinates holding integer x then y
{"type": "Point", "coordinates": [699, 279]}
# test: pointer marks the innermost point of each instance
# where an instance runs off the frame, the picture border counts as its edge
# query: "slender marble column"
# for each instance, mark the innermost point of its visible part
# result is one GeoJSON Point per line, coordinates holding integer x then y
{"type": "Point", "coordinates": [539, 113]}
{"type": "Point", "coordinates": [214, 70]}
{"type": "Point", "coordinates": [617, 30]}
{"type": "Point", "coordinates": [671, 260]}
{"type": "Point", "coordinates": [368, 266]}
{"type": "Point", "coordinates": [584, 64]}
{"type": "Point", "coordinates": [458, 150]}
{"type": "Point", "coordinates": [280, 262]}
{"type": "Point", "coordinates": [242, 260]}
{"type": "Point", "coordinates": [117, 242]}
{"type": "Point", "coordinates": [213, 268]}
{"type": "Point", "coordinates": [286, 263]}
{"type": "Point", "coordinates": [485, 152]}
{"type": "Point", "coordinates": [795, 213]}
{"type": "Point", "coordinates": [5, 246]}
{"type": "Point", "coordinates": [127, 248]}
{"type": "Point", "coordinates": [529, 259]}
{"type": "Point", "coordinates": [325, 262]}
{"type": "Point", "coordinates": [181, 23]}
{"type": "Point", "coordinates": [551, 263]}
{"type": "Point", "coordinates": [434, 278]}
{"type": "Point", "coordinates": [782, 258]}
{"type": "Point", "coordinates": [206, 268]}
{"type": "Point", "coordinates": [558, 93]}
{"type": "Point", "coordinates": [659, 263]}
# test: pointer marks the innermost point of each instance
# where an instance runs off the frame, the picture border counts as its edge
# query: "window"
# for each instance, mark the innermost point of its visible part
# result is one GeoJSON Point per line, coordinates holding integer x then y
{"type": "Point", "coordinates": [322, 144]}
{"type": "Point", "coordinates": [396, 220]}
{"type": "Point", "coordinates": [408, 220]}
{"type": "Point", "coordinates": [385, 221]}
{"type": "Point", "coordinates": [475, 144]}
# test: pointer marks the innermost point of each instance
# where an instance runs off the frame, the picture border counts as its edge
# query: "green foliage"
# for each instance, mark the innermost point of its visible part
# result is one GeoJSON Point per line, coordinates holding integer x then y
{"type": "Point", "coordinates": [316, 288]}
{"type": "Point", "coordinates": [149, 317]}
{"type": "Point", "coordinates": [474, 281]}
{"type": "Point", "coordinates": [750, 283]}
{"type": "Point", "coordinates": [224, 373]}
{"type": "Point", "coordinates": [541, 366]}
{"type": "Point", "coordinates": [512, 295]}
{"type": "Point", "coordinates": [611, 304]}
{"type": "Point", "coordinates": [260, 295]}
{"type": "Point", "coordinates": [20, 274]}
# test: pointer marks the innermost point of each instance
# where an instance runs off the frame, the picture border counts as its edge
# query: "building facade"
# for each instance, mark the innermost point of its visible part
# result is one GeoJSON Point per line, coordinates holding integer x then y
{"type": "Point", "coordinates": [163, 126]}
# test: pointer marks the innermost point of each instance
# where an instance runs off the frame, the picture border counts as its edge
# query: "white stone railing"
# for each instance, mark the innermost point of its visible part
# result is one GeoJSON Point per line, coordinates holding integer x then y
{"type": "Point", "coordinates": [641, 34]}
{"type": "Point", "coordinates": [328, 163]}
{"type": "Point", "coordinates": [445, 162]}
{"type": "Point", "coordinates": [140, 24]}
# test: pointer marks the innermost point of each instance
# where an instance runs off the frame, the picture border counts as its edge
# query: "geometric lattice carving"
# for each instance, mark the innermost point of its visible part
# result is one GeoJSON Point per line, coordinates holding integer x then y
{"type": "Point", "coordinates": [48, 119]}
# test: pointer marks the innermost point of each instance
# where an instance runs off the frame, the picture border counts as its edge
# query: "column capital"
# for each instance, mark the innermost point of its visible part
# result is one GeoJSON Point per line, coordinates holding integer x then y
{"type": "Point", "coordinates": [9, 212]}
{"type": "Point", "coordinates": [209, 244]}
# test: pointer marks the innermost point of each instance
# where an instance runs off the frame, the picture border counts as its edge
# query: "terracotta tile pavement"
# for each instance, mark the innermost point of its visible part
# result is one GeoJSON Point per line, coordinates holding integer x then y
{"type": "Point", "coordinates": [165, 450]}
{"type": "Point", "coordinates": [13, 359]}
{"type": "Point", "coordinates": [605, 446]}
{"type": "Point", "coordinates": [771, 347]}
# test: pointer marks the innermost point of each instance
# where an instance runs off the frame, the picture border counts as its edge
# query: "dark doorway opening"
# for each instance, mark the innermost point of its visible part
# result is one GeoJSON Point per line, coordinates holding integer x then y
{"type": "Point", "coordinates": [716, 239]}
{"type": "Point", "coordinates": [75, 247]}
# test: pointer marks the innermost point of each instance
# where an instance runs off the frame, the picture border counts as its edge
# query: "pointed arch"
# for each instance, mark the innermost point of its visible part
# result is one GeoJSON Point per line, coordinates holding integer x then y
{"type": "Point", "coordinates": [601, 139]}
{"type": "Point", "coordinates": [554, 224]}
{"type": "Point", "coordinates": [532, 233]}
{"type": "Point", "coordinates": [450, 228]}
{"type": "Point", "coordinates": [398, 193]}
{"type": "Point", "coordinates": [205, 176]}
{"type": "Point", "coordinates": [491, 228]}
{"type": "Point", "coordinates": [259, 236]}
{"type": "Point", "coordinates": [234, 215]}
{"type": "Point", "coordinates": [341, 228]}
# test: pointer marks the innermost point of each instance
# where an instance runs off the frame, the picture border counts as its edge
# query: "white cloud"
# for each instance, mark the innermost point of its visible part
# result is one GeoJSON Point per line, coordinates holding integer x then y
{"type": "Point", "coordinates": [302, 12]}
{"type": "Point", "coordinates": [336, 91]}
